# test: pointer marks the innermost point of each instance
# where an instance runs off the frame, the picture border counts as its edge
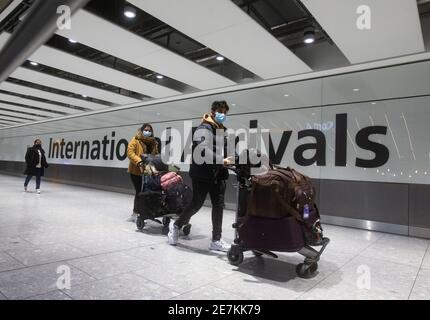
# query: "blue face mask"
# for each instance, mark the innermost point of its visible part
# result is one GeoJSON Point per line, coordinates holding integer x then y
{"type": "Point", "coordinates": [220, 117]}
{"type": "Point", "coordinates": [147, 133]}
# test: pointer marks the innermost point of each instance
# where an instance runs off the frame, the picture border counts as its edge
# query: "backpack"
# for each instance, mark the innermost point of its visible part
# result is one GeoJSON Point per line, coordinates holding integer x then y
{"type": "Point", "coordinates": [283, 192]}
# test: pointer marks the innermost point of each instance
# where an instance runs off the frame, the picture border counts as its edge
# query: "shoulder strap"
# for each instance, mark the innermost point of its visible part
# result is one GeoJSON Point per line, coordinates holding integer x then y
{"type": "Point", "coordinates": [286, 206]}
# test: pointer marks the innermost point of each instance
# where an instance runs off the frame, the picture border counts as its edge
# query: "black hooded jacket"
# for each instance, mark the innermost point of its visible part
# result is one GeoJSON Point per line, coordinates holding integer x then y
{"type": "Point", "coordinates": [211, 173]}
{"type": "Point", "coordinates": [32, 159]}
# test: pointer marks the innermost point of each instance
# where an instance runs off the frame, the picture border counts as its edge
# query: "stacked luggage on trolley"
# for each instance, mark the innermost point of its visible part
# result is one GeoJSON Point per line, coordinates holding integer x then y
{"type": "Point", "coordinates": [164, 194]}
{"type": "Point", "coordinates": [276, 211]}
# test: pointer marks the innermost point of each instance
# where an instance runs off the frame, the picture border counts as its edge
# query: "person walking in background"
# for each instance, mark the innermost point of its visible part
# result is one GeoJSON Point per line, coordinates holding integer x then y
{"type": "Point", "coordinates": [142, 143]}
{"type": "Point", "coordinates": [208, 178]}
{"type": "Point", "coordinates": [35, 164]}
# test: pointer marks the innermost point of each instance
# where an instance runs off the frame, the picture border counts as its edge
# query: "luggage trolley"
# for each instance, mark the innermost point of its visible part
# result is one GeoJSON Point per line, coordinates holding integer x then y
{"type": "Point", "coordinates": [153, 204]}
{"type": "Point", "coordinates": [263, 235]}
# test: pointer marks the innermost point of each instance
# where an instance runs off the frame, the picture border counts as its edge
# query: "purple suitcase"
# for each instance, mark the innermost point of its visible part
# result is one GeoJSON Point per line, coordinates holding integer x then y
{"type": "Point", "coordinates": [284, 235]}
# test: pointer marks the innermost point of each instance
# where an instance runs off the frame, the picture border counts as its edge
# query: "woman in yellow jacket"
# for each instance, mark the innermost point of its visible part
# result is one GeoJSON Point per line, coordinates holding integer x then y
{"type": "Point", "coordinates": [142, 143]}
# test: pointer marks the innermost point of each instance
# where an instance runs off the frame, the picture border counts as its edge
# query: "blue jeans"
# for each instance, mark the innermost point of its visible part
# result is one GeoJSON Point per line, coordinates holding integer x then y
{"type": "Point", "coordinates": [38, 179]}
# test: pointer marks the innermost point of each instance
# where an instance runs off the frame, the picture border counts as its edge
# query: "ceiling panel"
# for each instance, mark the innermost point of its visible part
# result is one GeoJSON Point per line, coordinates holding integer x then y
{"type": "Point", "coordinates": [395, 28]}
{"type": "Point", "coordinates": [71, 86]}
{"type": "Point", "coordinates": [21, 115]}
{"type": "Point", "coordinates": [98, 33]}
{"type": "Point", "coordinates": [26, 109]}
{"type": "Point", "coordinates": [13, 120]}
{"type": "Point", "coordinates": [70, 63]}
{"type": "Point", "coordinates": [24, 90]}
{"type": "Point", "coordinates": [226, 29]}
{"type": "Point", "coordinates": [37, 104]}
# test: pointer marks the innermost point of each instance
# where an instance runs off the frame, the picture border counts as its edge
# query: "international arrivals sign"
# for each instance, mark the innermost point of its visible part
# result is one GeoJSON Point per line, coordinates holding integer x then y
{"type": "Point", "coordinates": [177, 141]}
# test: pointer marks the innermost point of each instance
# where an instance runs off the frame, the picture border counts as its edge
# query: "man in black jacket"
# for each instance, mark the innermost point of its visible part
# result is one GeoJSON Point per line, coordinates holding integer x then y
{"type": "Point", "coordinates": [36, 163]}
{"type": "Point", "coordinates": [208, 174]}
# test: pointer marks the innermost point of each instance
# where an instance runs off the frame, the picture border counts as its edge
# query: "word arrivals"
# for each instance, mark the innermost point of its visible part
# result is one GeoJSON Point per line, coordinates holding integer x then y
{"type": "Point", "coordinates": [176, 147]}
{"type": "Point", "coordinates": [178, 310]}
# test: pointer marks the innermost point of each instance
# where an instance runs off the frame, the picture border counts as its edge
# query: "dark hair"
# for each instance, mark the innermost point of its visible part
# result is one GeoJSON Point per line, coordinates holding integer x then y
{"type": "Point", "coordinates": [37, 140]}
{"type": "Point", "coordinates": [146, 125]}
{"type": "Point", "coordinates": [220, 104]}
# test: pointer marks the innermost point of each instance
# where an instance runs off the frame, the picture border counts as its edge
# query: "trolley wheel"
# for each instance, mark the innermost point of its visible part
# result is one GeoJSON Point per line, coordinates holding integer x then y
{"type": "Point", "coordinates": [235, 255]}
{"type": "Point", "coordinates": [257, 253]}
{"type": "Point", "coordinates": [306, 271]}
{"type": "Point", "coordinates": [140, 223]}
{"type": "Point", "coordinates": [186, 229]}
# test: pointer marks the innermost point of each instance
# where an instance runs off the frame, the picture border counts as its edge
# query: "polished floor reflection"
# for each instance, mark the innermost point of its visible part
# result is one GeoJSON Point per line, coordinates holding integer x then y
{"type": "Point", "coordinates": [84, 232]}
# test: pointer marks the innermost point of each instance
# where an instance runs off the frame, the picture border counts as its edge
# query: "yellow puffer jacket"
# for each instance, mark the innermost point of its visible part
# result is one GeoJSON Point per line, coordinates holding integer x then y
{"type": "Point", "coordinates": [137, 146]}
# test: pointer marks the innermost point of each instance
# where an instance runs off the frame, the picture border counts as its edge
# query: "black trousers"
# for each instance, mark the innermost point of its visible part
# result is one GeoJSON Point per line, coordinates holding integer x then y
{"type": "Point", "coordinates": [137, 183]}
{"type": "Point", "coordinates": [216, 192]}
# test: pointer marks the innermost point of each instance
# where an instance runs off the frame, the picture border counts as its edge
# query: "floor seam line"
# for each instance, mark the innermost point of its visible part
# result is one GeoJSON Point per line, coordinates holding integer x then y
{"type": "Point", "coordinates": [418, 272]}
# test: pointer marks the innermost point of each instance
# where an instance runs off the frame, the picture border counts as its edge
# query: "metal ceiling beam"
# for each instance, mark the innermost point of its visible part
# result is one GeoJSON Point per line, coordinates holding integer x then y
{"type": "Point", "coordinates": [38, 26]}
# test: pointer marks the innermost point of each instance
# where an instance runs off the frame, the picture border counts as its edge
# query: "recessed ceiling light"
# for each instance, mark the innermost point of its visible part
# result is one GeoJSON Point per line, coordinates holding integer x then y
{"type": "Point", "coordinates": [309, 36]}
{"type": "Point", "coordinates": [72, 41]}
{"type": "Point", "coordinates": [158, 113]}
{"type": "Point", "coordinates": [85, 96]}
{"type": "Point", "coordinates": [286, 95]}
{"type": "Point", "coordinates": [356, 90]}
{"type": "Point", "coordinates": [130, 12]}
{"type": "Point", "coordinates": [373, 102]}
{"type": "Point", "coordinates": [159, 76]}
{"type": "Point", "coordinates": [233, 104]}
{"type": "Point", "coordinates": [34, 63]}
{"type": "Point", "coordinates": [220, 58]}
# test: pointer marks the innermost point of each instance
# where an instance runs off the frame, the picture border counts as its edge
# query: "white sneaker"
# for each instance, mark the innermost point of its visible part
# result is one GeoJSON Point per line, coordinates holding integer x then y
{"type": "Point", "coordinates": [133, 217]}
{"type": "Point", "coordinates": [173, 234]}
{"type": "Point", "coordinates": [219, 245]}
{"type": "Point", "coordinates": [38, 191]}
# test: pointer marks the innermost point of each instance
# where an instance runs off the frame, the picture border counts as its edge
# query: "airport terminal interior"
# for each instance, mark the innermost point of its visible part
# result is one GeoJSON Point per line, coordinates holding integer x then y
{"type": "Point", "coordinates": [214, 150]}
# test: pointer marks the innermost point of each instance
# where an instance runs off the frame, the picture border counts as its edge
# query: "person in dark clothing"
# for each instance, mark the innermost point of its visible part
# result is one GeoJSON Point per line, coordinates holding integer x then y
{"type": "Point", "coordinates": [142, 143]}
{"type": "Point", "coordinates": [35, 164]}
{"type": "Point", "coordinates": [208, 176]}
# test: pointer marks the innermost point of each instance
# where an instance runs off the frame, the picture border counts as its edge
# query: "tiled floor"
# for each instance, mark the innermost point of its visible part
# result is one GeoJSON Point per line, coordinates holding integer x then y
{"type": "Point", "coordinates": [83, 233]}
